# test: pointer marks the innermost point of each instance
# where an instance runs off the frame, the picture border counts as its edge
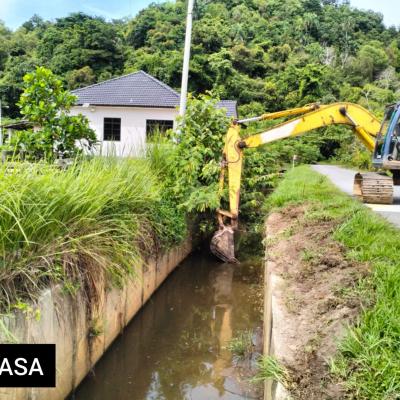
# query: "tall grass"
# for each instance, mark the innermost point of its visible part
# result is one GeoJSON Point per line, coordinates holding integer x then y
{"type": "Point", "coordinates": [96, 219]}
{"type": "Point", "coordinates": [369, 355]}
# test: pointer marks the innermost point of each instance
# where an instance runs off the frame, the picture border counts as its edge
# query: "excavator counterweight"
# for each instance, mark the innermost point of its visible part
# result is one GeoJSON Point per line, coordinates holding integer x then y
{"type": "Point", "coordinates": [382, 139]}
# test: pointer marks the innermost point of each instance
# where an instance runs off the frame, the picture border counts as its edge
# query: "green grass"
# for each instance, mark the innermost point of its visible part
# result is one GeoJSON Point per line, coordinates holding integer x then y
{"type": "Point", "coordinates": [242, 344]}
{"type": "Point", "coordinates": [269, 368]}
{"type": "Point", "coordinates": [98, 218]}
{"type": "Point", "coordinates": [369, 356]}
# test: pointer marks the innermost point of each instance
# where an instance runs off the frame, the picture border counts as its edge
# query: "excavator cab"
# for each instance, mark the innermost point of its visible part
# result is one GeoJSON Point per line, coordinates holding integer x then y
{"type": "Point", "coordinates": [387, 146]}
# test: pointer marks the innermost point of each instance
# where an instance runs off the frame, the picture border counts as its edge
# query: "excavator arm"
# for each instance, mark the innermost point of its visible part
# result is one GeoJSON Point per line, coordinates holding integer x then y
{"type": "Point", "coordinates": [314, 116]}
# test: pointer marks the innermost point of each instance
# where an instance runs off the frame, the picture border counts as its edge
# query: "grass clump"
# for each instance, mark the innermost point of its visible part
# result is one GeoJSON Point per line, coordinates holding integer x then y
{"type": "Point", "coordinates": [369, 358]}
{"type": "Point", "coordinates": [93, 221]}
{"type": "Point", "coordinates": [241, 345]}
{"type": "Point", "coordinates": [268, 367]}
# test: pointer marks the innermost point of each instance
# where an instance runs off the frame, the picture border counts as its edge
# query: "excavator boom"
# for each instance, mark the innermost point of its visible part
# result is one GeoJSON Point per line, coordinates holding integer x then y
{"type": "Point", "coordinates": [362, 122]}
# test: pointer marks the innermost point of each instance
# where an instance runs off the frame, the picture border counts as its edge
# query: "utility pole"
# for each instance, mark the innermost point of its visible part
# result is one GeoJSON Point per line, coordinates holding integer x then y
{"type": "Point", "coordinates": [186, 59]}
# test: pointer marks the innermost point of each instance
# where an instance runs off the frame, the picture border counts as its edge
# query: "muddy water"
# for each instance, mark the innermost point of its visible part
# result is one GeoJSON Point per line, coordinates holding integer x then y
{"type": "Point", "coordinates": [175, 348]}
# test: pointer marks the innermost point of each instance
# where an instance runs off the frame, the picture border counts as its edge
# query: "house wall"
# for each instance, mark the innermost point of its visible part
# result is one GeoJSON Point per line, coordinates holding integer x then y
{"type": "Point", "coordinates": [133, 126]}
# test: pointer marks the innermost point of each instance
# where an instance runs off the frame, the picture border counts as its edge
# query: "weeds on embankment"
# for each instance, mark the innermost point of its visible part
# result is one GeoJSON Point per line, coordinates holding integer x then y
{"type": "Point", "coordinates": [98, 218]}
{"type": "Point", "coordinates": [368, 361]}
{"type": "Point", "coordinates": [269, 368]}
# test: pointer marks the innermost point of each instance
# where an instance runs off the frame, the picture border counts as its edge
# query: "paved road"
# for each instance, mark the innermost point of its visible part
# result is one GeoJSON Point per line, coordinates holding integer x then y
{"type": "Point", "coordinates": [343, 179]}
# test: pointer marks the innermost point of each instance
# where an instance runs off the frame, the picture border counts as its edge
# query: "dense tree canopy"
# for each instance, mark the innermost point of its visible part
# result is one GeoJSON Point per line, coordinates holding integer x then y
{"type": "Point", "coordinates": [267, 54]}
{"type": "Point", "coordinates": [262, 52]}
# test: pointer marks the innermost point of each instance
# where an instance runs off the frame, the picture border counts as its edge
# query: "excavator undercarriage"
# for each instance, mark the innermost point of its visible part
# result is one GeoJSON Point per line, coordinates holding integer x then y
{"type": "Point", "coordinates": [382, 139]}
{"type": "Point", "coordinates": [373, 188]}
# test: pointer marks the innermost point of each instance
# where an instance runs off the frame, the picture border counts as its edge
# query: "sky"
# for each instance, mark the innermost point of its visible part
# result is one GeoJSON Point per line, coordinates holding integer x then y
{"type": "Point", "coordinates": [16, 12]}
{"type": "Point", "coordinates": [389, 9]}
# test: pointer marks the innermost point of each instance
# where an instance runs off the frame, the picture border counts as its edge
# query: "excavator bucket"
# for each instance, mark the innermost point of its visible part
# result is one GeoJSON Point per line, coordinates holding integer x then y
{"type": "Point", "coordinates": [223, 245]}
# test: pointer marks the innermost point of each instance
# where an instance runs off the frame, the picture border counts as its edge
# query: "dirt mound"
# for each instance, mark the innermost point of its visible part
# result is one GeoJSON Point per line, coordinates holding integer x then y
{"type": "Point", "coordinates": [313, 297]}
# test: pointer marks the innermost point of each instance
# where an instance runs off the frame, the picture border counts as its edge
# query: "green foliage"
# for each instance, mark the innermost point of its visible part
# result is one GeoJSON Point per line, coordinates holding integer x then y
{"type": "Point", "coordinates": [277, 54]}
{"type": "Point", "coordinates": [98, 218]}
{"type": "Point", "coordinates": [241, 345]}
{"type": "Point", "coordinates": [80, 77]}
{"type": "Point", "coordinates": [301, 185]}
{"type": "Point", "coordinates": [371, 60]}
{"type": "Point", "coordinates": [46, 104]}
{"type": "Point", "coordinates": [196, 164]}
{"type": "Point", "coordinates": [269, 368]}
{"type": "Point", "coordinates": [368, 360]}
{"type": "Point", "coordinates": [160, 154]}
{"type": "Point", "coordinates": [267, 54]}
{"type": "Point", "coordinates": [259, 176]}
{"type": "Point", "coordinates": [79, 40]}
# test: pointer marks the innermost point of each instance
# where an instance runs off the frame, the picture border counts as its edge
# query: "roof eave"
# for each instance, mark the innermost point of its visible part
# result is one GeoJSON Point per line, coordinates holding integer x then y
{"type": "Point", "coordinates": [126, 105]}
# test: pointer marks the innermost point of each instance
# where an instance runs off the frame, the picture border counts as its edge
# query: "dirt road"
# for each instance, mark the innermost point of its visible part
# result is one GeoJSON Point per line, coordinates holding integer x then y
{"type": "Point", "coordinates": [343, 179]}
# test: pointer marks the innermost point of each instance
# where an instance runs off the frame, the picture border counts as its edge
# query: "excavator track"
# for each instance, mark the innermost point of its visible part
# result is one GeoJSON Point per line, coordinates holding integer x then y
{"type": "Point", "coordinates": [373, 188]}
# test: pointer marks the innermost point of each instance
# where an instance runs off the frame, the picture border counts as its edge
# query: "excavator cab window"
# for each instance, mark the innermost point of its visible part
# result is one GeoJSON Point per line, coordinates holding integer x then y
{"type": "Point", "coordinates": [390, 113]}
{"type": "Point", "coordinates": [394, 150]}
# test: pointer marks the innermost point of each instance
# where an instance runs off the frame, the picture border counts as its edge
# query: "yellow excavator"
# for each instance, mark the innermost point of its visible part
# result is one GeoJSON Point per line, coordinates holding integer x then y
{"type": "Point", "coordinates": [381, 138]}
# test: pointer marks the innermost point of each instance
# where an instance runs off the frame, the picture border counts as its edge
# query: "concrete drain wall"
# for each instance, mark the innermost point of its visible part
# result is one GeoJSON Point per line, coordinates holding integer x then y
{"type": "Point", "coordinates": [80, 339]}
{"type": "Point", "coordinates": [273, 323]}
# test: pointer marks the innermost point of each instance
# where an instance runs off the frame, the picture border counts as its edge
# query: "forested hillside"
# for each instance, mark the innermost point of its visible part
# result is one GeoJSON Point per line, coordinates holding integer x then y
{"type": "Point", "coordinates": [271, 53]}
{"type": "Point", "coordinates": [267, 54]}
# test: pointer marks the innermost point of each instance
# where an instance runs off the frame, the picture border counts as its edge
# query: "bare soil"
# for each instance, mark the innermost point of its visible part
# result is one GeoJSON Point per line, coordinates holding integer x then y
{"type": "Point", "coordinates": [315, 298]}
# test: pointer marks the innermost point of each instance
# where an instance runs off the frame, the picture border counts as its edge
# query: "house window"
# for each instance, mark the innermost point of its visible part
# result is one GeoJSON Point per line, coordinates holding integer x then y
{"type": "Point", "coordinates": [157, 126]}
{"type": "Point", "coordinates": [112, 129]}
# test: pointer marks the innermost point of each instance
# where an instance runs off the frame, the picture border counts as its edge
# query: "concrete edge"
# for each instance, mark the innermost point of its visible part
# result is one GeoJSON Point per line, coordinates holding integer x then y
{"type": "Point", "coordinates": [68, 322]}
{"type": "Point", "coordinates": [272, 390]}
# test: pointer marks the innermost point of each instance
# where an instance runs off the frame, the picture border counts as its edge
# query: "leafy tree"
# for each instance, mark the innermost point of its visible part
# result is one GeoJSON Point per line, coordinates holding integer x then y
{"type": "Point", "coordinates": [195, 168]}
{"type": "Point", "coordinates": [80, 77]}
{"type": "Point", "coordinates": [35, 23]}
{"type": "Point", "coordinates": [78, 41]}
{"type": "Point", "coordinates": [196, 163]}
{"type": "Point", "coordinates": [371, 60]}
{"type": "Point", "coordinates": [5, 35]}
{"type": "Point", "coordinates": [313, 6]}
{"type": "Point", "coordinates": [269, 54]}
{"type": "Point", "coordinates": [140, 27]}
{"type": "Point", "coordinates": [11, 85]}
{"type": "Point", "coordinates": [46, 104]}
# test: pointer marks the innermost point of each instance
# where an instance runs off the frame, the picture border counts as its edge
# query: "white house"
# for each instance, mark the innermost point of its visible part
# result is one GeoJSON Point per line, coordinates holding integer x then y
{"type": "Point", "coordinates": [124, 111]}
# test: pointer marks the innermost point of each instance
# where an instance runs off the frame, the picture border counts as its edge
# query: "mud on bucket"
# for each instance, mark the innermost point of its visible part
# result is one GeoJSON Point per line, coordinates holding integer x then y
{"type": "Point", "coordinates": [223, 245]}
